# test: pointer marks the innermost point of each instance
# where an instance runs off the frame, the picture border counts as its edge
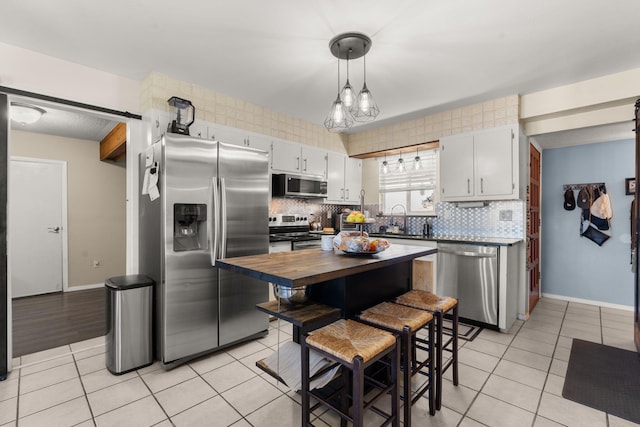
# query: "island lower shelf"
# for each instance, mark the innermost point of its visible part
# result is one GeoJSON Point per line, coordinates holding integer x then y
{"type": "Point", "coordinates": [304, 318]}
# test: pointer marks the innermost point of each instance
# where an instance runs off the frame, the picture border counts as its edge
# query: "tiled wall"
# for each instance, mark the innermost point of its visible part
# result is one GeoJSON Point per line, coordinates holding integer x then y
{"type": "Point", "coordinates": [449, 220]}
{"type": "Point", "coordinates": [320, 211]}
{"type": "Point", "coordinates": [490, 114]}
{"type": "Point", "coordinates": [218, 108]}
{"type": "Point", "coordinates": [495, 219]}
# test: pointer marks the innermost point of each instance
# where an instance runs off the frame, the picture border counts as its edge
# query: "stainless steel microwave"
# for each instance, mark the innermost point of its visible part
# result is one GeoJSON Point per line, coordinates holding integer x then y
{"type": "Point", "coordinates": [286, 185]}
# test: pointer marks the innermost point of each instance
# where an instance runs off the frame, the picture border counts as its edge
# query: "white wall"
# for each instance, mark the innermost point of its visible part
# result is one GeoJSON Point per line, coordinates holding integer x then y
{"type": "Point", "coordinates": [573, 266]}
{"type": "Point", "coordinates": [34, 72]}
{"type": "Point", "coordinates": [96, 204]}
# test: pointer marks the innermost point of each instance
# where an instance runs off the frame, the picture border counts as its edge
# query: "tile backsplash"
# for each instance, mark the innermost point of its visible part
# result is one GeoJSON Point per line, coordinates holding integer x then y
{"type": "Point", "coordinates": [504, 218]}
{"type": "Point", "coordinates": [494, 219]}
{"type": "Point", "coordinates": [320, 211]}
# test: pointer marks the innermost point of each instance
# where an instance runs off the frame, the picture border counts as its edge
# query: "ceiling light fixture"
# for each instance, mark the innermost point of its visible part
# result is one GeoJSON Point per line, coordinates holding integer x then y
{"type": "Point", "coordinates": [401, 165]}
{"type": "Point", "coordinates": [347, 107]}
{"type": "Point", "coordinates": [339, 118]}
{"type": "Point", "coordinates": [25, 114]}
{"type": "Point", "coordinates": [417, 165]}
{"type": "Point", "coordinates": [385, 165]}
{"type": "Point", "coordinates": [347, 94]}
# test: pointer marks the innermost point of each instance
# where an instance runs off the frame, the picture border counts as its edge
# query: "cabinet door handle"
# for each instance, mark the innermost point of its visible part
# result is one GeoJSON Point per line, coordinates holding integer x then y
{"type": "Point", "coordinates": [297, 163]}
{"type": "Point", "coordinates": [482, 185]}
{"type": "Point", "coordinates": [342, 193]}
{"type": "Point", "coordinates": [305, 165]}
{"type": "Point", "coordinates": [347, 197]}
{"type": "Point", "coordinates": [468, 186]}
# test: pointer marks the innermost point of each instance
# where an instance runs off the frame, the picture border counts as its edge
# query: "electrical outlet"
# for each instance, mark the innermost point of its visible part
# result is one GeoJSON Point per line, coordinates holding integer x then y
{"type": "Point", "coordinates": [96, 263]}
{"type": "Point", "coordinates": [506, 215]}
{"type": "Point", "coordinates": [329, 215]}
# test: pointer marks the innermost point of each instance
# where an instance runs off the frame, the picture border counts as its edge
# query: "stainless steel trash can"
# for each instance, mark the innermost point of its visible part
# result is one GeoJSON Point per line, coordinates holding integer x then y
{"type": "Point", "coordinates": [129, 343]}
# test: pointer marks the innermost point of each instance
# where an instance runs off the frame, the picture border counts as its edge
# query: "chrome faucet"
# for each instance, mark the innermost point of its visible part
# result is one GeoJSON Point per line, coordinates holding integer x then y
{"type": "Point", "coordinates": [404, 214]}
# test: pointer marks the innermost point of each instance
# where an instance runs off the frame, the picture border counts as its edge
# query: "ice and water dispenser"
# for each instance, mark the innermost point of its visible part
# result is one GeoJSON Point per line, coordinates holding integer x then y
{"type": "Point", "coordinates": [189, 227]}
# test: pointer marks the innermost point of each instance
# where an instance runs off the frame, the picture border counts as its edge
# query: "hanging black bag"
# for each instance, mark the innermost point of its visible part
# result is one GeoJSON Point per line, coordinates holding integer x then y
{"type": "Point", "coordinates": [591, 232]}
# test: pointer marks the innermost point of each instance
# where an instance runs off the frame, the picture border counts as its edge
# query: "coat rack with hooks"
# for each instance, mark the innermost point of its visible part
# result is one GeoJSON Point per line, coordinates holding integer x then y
{"type": "Point", "coordinates": [579, 187]}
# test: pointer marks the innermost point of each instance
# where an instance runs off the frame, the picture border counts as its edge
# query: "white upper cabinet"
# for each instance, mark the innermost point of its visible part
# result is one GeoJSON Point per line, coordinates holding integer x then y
{"type": "Point", "coordinates": [240, 137]}
{"type": "Point", "coordinates": [297, 158]}
{"type": "Point", "coordinates": [482, 165]}
{"type": "Point", "coordinates": [344, 179]}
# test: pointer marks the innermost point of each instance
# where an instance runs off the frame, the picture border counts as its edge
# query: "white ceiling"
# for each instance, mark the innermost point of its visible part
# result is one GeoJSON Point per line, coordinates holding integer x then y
{"type": "Point", "coordinates": [427, 56]}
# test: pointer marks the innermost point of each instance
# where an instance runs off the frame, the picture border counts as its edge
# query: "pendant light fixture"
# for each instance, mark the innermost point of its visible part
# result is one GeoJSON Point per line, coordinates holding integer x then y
{"type": "Point", "coordinates": [347, 95]}
{"type": "Point", "coordinates": [348, 107]}
{"type": "Point", "coordinates": [401, 167]}
{"type": "Point", "coordinates": [417, 165]}
{"type": "Point", "coordinates": [365, 109]}
{"type": "Point", "coordinates": [338, 118]}
{"type": "Point", "coordinates": [385, 165]}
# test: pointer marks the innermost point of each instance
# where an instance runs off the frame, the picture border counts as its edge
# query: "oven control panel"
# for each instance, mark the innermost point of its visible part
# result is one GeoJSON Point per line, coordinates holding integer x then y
{"type": "Point", "coordinates": [279, 220]}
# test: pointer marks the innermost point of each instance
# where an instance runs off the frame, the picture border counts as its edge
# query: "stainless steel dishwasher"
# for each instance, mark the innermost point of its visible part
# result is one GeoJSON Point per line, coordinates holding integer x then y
{"type": "Point", "coordinates": [470, 273]}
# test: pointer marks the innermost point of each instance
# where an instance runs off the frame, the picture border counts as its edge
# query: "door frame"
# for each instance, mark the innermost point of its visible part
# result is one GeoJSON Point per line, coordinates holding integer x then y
{"type": "Point", "coordinates": [64, 225]}
{"type": "Point", "coordinates": [138, 137]}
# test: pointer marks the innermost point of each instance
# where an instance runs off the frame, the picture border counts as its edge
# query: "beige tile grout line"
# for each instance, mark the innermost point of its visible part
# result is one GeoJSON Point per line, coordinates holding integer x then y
{"type": "Point", "coordinates": [71, 352]}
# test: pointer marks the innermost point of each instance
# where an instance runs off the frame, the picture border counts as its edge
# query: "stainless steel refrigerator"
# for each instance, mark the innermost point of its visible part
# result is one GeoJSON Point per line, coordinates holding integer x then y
{"type": "Point", "coordinates": [202, 200]}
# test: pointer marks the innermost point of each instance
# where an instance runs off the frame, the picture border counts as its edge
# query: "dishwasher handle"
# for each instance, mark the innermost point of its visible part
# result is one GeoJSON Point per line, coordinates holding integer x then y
{"type": "Point", "coordinates": [468, 253]}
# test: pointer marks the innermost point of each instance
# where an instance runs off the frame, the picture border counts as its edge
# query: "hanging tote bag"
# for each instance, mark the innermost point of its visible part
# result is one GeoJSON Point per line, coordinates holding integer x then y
{"type": "Point", "coordinates": [591, 232]}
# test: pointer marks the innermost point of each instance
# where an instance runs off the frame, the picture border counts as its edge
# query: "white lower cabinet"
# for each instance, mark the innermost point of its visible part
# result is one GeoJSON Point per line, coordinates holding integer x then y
{"type": "Point", "coordinates": [344, 179]}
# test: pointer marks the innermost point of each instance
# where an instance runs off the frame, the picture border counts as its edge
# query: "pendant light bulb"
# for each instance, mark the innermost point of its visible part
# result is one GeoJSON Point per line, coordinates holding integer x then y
{"type": "Point", "coordinates": [365, 108]}
{"type": "Point", "coordinates": [401, 165]}
{"type": "Point", "coordinates": [347, 94]}
{"type": "Point", "coordinates": [338, 118]}
{"type": "Point", "coordinates": [385, 165]}
{"type": "Point", "coordinates": [417, 164]}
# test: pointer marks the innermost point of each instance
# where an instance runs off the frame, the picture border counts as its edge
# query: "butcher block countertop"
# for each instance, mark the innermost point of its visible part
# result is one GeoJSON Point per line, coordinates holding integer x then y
{"type": "Point", "coordinates": [306, 267]}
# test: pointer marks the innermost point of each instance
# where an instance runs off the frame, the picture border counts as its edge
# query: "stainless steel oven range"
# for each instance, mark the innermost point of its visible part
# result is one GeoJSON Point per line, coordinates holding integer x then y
{"type": "Point", "coordinates": [293, 228]}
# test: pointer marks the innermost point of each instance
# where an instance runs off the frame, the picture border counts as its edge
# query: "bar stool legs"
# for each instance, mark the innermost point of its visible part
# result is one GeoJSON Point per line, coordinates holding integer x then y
{"type": "Point", "coordinates": [355, 347]}
{"type": "Point", "coordinates": [439, 306]}
{"type": "Point", "coordinates": [406, 322]}
{"type": "Point", "coordinates": [450, 345]}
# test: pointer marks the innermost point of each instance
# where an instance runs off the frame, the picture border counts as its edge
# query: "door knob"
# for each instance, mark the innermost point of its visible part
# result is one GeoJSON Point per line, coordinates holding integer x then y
{"type": "Point", "coordinates": [54, 229]}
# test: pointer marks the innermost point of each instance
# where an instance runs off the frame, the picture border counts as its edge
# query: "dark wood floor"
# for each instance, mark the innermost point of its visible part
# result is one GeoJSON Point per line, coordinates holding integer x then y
{"type": "Point", "coordinates": [46, 321]}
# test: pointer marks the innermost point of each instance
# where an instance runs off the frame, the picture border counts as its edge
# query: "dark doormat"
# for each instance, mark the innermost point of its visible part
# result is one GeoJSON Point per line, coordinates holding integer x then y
{"type": "Point", "coordinates": [465, 331]}
{"type": "Point", "coordinates": [605, 378]}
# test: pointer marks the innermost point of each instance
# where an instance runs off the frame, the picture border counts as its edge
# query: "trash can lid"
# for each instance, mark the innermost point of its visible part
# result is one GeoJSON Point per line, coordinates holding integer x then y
{"type": "Point", "coordinates": [130, 281]}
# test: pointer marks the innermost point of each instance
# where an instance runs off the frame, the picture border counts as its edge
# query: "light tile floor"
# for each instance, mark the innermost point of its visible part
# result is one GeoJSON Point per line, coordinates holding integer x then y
{"type": "Point", "coordinates": [512, 379]}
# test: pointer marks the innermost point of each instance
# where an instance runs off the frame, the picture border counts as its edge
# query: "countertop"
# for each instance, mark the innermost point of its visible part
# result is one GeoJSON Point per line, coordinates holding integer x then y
{"type": "Point", "coordinates": [306, 267]}
{"type": "Point", "coordinates": [491, 241]}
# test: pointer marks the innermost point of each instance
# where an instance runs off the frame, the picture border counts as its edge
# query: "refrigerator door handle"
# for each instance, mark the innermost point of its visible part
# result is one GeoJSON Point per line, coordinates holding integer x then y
{"type": "Point", "coordinates": [223, 217]}
{"type": "Point", "coordinates": [214, 215]}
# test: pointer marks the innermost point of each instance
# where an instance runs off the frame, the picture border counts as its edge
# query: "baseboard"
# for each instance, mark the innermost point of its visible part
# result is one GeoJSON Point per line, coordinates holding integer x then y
{"type": "Point", "coordinates": [83, 287]}
{"type": "Point", "coordinates": [588, 302]}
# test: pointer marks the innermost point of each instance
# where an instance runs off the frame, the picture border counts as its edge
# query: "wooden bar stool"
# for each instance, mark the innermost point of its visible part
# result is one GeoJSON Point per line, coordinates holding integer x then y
{"type": "Point", "coordinates": [438, 306]}
{"type": "Point", "coordinates": [406, 322]}
{"type": "Point", "coordinates": [354, 346]}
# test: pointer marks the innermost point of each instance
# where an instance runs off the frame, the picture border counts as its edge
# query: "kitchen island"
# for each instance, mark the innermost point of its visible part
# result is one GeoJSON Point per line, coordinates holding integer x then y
{"type": "Point", "coordinates": [348, 282]}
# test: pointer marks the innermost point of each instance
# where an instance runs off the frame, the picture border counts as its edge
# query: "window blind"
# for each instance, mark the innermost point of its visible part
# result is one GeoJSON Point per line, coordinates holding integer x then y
{"type": "Point", "coordinates": [424, 178]}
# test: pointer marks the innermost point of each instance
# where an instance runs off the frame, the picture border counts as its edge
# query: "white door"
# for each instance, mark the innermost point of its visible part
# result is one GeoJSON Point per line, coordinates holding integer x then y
{"type": "Point", "coordinates": [37, 225]}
